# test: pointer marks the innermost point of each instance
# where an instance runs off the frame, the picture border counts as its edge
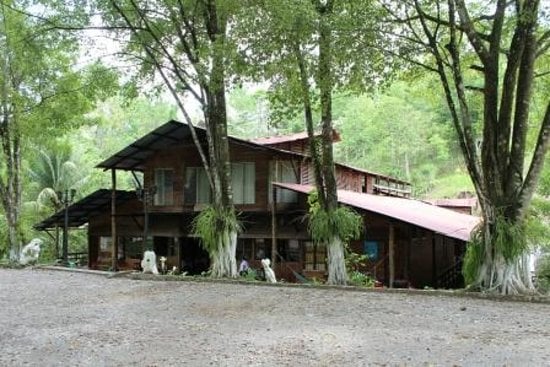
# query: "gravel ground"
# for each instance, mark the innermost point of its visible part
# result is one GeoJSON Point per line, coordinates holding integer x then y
{"type": "Point", "coordinates": [58, 318]}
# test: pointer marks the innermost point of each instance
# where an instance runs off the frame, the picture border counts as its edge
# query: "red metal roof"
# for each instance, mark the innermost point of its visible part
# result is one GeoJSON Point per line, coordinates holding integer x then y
{"type": "Point", "coordinates": [465, 202]}
{"type": "Point", "coordinates": [421, 214]}
{"type": "Point", "coordinates": [278, 139]}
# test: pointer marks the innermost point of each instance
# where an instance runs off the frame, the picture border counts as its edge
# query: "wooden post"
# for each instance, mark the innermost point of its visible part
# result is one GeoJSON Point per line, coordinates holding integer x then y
{"type": "Point", "coordinates": [273, 226]}
{"type": "Point", "coordinates": [114, 237]}
{"type": "Point", "coordinates": [434, 264]}
{"type": "Point", "coordinates": [391, 253]}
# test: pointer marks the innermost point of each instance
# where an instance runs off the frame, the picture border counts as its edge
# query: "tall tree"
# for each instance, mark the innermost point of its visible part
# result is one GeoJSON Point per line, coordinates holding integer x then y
{"type": "Point", "coordinates": [186, 44]}
{"type": "Point", "coordinates": [307, 50]}
{"type": "Point", "coordinates": [502, 42]}
{"type": "Point", "coordinates": [39, 93]}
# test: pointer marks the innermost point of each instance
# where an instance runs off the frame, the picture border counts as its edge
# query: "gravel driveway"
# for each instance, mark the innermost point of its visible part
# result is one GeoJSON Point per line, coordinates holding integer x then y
{"type": "Point", "coordinates": [70, 319]}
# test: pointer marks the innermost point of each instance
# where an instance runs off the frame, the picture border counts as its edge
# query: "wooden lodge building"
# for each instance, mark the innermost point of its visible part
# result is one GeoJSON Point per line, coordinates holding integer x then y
{"type": "Point", "coordinates": [408, 242]}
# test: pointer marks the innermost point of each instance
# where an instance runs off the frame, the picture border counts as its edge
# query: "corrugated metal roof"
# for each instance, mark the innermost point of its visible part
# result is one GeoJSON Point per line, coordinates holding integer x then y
{"type": "Point", "coordinates": [421, 214]}
{"type": "Point", "coordinates": [464, 202]}
{"type": "Point", "coordinates": [133, 157]}
{"type": "Point", "coordinates": [278, 139]}
{"type": "Point", "coordinates": [80, 212]}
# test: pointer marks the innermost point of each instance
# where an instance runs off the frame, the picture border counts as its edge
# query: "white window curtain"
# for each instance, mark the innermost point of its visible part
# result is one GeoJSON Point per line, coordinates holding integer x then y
{"type": "Point", "coordinates": [164, 182]}
{"type": "Point", "coordinates": [243, 182]}
{"type": "Point", "coordinates": [196, 189]}
{"type": "Point", "coordinates": [284, 172]}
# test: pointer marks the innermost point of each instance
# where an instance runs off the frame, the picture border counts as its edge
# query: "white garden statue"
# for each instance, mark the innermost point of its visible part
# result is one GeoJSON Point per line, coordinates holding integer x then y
{"type": "Point", "coordinates": [31, 251]}
{"type": "Point", "coordinates": [149, 262]}
{"type": "Point", "coordinates": [163, 269]}
{"type": "Point", "coordinates": [269, 273]}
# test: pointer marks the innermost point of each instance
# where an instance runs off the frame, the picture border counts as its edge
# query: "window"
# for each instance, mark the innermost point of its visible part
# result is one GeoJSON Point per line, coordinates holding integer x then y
{"type": "Point", "coordinates": [285, 172]}
{"type": "Point", "coordinates": [315, 256]}
{"type": "Point", "coordinates": [196, 189]}
{"type": "Point", "coordinates": [164, 182]}
{"type": "Point", "coordinates": [243, 182]}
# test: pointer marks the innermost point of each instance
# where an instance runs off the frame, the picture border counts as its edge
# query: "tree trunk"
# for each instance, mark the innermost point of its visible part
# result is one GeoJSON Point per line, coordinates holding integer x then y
{"type": "Point", "coordinates": [337, 273]}
{"type": "Point", "coordinates": [499, 271]}
{"type": "Point", "coordinates": [223, 262]}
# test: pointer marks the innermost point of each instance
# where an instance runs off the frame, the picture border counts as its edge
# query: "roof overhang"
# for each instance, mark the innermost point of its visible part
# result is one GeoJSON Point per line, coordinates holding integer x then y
{"type": "Point", "coordinates": [172, 133]}
{"type": "Point", "coordinates": [440, 220]}
{"type": "Point", "coordinates": [80, 212]}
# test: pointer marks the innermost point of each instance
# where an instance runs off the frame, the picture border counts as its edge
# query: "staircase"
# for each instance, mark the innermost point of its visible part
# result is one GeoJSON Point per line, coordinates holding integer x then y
{"type": "Point", "coordinates": [451, 278]}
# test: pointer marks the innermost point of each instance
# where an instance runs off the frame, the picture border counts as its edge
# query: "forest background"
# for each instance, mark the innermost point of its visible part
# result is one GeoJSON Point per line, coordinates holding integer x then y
{"type": "Point", "coordinates": [401, 129]}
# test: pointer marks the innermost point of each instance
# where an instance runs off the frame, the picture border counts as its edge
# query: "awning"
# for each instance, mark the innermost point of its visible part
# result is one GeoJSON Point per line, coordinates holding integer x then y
{"type": "Point", "coordinates": [440, 220]}
{"type": "Point", "coordinates": [80, 212]}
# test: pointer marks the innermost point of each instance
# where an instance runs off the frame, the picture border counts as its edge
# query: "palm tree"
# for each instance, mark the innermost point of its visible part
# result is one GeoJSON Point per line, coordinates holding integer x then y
{"type": "Point", "coordinates": [52, 172]}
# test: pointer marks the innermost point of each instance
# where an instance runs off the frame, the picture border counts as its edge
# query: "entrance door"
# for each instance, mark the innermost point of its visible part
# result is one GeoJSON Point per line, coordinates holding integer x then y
{"type": "Point", "coordinates": [194, 259]}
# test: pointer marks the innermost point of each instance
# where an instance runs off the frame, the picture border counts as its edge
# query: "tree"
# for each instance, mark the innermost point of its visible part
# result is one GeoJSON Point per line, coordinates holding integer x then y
{"type": "Point", "coordinates": [52, 172]}
{"type": "Point", "coordinates": [186, 44]}
{"type": "Point", "coordinates": [40, 93]}
{"type": "Point", "coordinates": [307, 50]}
{"type": "Point", "coordinates": [503, 43]}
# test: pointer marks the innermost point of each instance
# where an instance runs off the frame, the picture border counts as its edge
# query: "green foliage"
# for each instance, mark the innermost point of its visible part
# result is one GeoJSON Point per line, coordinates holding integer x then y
{"type": "Point", "coordinates": [273, 30]}
{"type": "Point", "coordinates": [3, 235]}
{"type": "Point", "coordinates": [509, 238]}
{"type": "Point", "coordinates": [402, 131]}
{"type": "Point", "coordinates": [543, 274]}
{"type": "Point", "coordinates": [359, 279]}
{"type": "Point", "coordinates": [342, 222]}
{"type": "Point", "coordinates": [472, 259]}
{"type": "Point", "coordinates": [251, 275]}
{"type": "Point", "coordinates": [211, 224]}
{"type": "Point", "coordinates": [355, 261]}
{"type": "Point", "coordinates": [537, 227]}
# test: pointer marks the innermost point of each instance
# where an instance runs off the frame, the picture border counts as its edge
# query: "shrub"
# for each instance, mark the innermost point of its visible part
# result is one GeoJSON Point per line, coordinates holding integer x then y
{"type": "Point", "coordinates": [543, 274]}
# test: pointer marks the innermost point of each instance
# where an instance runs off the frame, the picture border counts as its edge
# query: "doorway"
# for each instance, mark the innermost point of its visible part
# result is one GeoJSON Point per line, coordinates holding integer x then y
{"type": "Point", "coordinates": [194, 259]}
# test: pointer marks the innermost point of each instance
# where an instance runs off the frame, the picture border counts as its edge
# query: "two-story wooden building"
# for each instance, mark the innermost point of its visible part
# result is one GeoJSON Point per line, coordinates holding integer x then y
{"type": "Point", "coordinates": [408, 242]}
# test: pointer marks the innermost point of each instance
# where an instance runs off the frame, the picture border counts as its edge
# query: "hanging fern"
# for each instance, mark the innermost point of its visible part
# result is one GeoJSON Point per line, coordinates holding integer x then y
{"type": "Point", "coordinates": [342, 222]}
{"type": "Point", "coordinates": [473, 258]}
{"type": "Point", "coordinates": [509, 238]}
{"type": "Point", "coordinates": [211, 224]}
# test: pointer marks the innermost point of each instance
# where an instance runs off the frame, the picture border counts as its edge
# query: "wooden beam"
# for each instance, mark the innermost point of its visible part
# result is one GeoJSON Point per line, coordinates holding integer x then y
{"type": "Point", "coordinates": [434, 262]}
{"type": "Point", "coordinates": [114, 237]}
{"type": "Point", "coordinates": [274, 220]}
{"type": "Point", "coordinates": [391, 253]}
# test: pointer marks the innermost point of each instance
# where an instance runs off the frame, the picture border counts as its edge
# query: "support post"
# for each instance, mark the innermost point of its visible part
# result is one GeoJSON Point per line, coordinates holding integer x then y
{"type": "Point", "coordinates": [434, 263]}
{"type": "Point", "coordinates": [66, 198]}
{"type": "Point", "coordinates": [273, 226]}
{"type": "Point", "coordinates": [66, 230]}
{"type": "Point", "coordinates": [114, 237]}
{"type": "Point", "coordinates": [391, 253]}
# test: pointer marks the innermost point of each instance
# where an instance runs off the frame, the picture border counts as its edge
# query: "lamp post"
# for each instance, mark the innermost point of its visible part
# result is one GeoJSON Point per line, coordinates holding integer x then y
{"type": "Point", "coordinates": [66, 198]}
{"type": "Point", "coordinates": [145, 195]}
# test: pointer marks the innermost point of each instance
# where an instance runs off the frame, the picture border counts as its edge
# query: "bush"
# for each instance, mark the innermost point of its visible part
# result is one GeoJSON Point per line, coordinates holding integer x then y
{"type": "Point", "coordinates": [543, 274]}
{"type": "Point", "coordinates": [359, 279]}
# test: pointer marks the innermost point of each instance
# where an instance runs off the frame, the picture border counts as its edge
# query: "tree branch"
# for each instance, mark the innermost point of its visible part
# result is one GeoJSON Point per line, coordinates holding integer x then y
{"type": "Point", "coordinates": [468, 27]}
{"type": "Point", "coordinates": [537, 164]}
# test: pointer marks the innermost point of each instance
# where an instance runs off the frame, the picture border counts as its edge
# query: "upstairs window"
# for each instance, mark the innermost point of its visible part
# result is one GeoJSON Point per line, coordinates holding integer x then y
{"type": "Point", "coordinates": [164, 182]}
{"type": "Point", "coordinates": [196, 189]}
{"type": "Point", "coordinates": [243, 182]}
{"type": "Point", "coordinates": [284, 172]}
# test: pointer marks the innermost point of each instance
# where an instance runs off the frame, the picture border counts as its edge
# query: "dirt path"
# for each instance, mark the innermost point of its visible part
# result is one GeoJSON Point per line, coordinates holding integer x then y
{"type": "Point", "coordinates": [65, 319]}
